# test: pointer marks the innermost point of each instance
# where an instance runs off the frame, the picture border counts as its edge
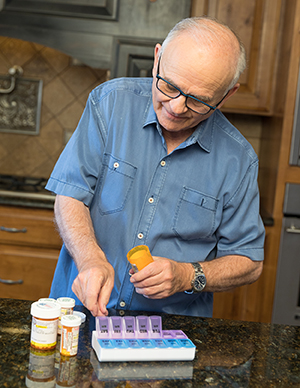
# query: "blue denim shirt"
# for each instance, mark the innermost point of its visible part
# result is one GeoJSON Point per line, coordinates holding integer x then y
{"type": "Point", "coordinates": [198, 203]}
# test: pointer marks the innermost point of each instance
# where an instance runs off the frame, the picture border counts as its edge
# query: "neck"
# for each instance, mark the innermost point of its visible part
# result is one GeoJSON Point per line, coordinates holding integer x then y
{"type": "Point", "coordinates": [174, 139]}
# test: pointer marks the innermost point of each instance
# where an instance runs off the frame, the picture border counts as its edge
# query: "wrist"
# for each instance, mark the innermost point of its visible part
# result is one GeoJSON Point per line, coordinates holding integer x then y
{"type": "Point", "coordinates": [91, 259]}
{"type": "Point", "coordinates": [198, 280]}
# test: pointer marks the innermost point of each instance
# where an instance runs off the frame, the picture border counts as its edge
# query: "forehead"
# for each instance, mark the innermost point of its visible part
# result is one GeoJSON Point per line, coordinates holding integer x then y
{"type": "Point", "coordinates": [193, 66]}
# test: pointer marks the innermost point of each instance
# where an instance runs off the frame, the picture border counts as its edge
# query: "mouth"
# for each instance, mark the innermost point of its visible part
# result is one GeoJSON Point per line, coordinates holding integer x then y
{"type": "Point", "coordinates": [174, 116]}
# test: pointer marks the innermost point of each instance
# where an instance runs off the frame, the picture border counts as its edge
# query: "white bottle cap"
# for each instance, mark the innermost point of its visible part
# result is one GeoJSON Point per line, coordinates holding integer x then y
{"type": "Point", "coordinates": [70, 320]}
{"type": "Point", "coordinates": [81, 315]}
{"type": "Point", "coordinates": [66, 302]}
{"type": "Point", "coordinates": [47, 310]}
{"type": "Point", "coordinates": [47, 300]}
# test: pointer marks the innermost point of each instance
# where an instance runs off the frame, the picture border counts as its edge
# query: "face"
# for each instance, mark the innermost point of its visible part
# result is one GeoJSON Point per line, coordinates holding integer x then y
{"type": "Point", "coordinates": [194, 72]}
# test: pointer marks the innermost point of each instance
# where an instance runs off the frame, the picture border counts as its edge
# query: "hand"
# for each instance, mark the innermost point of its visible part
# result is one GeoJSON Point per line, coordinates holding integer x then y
{"type": "Point", "coordinates": [93, 286]}
{"type": "Point", "coordinates": [162, 278]}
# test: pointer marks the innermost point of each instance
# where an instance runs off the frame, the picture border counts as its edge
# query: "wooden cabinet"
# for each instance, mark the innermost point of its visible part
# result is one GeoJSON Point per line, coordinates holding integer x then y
{"type": "Point", "coordinates": [252, 302]}
{"type": "Point", "coordinates": [255, 302]}
{"type": "Point", "coordinates": [29, 249]}
{"type": "Point", "coordinates": [258, 24]}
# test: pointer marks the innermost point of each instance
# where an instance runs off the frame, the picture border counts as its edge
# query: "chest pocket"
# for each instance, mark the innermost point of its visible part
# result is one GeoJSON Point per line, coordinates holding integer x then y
{"type": "Point", "coordinates": [195, 215]}
{"type": "Point", "coordinates": [116, 182]}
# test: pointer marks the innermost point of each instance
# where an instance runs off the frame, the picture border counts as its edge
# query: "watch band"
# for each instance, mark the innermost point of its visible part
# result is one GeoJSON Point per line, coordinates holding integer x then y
{"type": "Point", "coordinates": [198, 283]}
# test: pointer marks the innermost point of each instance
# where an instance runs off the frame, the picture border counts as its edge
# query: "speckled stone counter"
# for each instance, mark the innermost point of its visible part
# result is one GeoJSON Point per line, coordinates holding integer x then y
{"type": "Point", "coordinates": [229, 354]}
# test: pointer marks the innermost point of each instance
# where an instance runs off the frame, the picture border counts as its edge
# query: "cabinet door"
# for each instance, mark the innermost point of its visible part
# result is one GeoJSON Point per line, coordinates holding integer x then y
{"type": "Point", "coordinates": [26, 273]}
{"type": "Point", "coordinates": [257, 23]}
{"type": "Point", "coordinates": [30, 227]}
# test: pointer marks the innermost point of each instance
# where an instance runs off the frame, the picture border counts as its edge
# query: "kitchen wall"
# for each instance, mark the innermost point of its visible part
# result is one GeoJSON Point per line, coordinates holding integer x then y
{"type": "Point", "coordinates": [66, 86]}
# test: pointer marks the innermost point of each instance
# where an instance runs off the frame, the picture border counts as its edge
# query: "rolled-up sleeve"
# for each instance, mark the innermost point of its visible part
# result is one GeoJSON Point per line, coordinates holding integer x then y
{"type": "Point", "coordinates": [241, 231]}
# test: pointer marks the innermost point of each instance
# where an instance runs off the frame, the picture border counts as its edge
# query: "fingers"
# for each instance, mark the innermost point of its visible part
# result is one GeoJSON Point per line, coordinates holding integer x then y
{"type": "Point", "coordinates": [82, 289]}
{"type": "Point", "coordinates": [103, 298]}
{"type": "Point", "coordinates": [93, 288]}
{"type": "Point", "coordinates": [155, 281]}
{"type": "Point", "coordinates": [161, 279]}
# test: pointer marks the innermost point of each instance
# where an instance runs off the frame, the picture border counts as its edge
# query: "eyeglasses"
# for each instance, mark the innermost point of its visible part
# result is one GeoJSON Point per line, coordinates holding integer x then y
{"type": "Point", "coordinates": [191, 102]}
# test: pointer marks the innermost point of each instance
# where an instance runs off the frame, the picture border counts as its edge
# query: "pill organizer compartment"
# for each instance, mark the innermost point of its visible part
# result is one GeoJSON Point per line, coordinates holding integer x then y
{"type": "Point", "coordinates": [139, 338]}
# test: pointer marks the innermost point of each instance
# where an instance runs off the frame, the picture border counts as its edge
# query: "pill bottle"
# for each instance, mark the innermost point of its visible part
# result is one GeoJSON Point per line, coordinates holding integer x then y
{"type": "Point", "coordinates": [41, 371]}
{"type": "Point", "coordinates": [47, 300]}
{"type": "Point", "coordinates": [139, 257]}
{"type": "Point", "coordinates": [69, 335]}
{"type": "Point", "coordinates": [67, 306]}
{"type": "Point", "coordinates": [82, 317]}
{"type": "Point", "coordinates": [44, 325]}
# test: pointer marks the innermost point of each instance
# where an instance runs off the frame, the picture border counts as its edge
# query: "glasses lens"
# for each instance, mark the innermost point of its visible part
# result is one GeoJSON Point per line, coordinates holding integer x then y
{"type": "Point", "coordinates": [170, 91]}
{"type": "Point", "coordinates": [197, 106]}
{"type": "Point", "coordinates": [167, 89]}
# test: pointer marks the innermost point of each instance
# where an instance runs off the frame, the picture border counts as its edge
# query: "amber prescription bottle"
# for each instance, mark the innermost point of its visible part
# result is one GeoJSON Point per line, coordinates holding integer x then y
{"type": "Point", "coordinates": [69, 335]}
{"type": "Point", "coordinates": [67, 307]}
{"type": "Point", "coordinates": [139, 257]}
{"type": "Point", "coordinates": [44, 325]}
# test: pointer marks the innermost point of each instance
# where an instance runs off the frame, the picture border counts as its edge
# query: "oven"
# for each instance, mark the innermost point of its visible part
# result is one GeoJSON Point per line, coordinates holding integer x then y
{"type": "Point", "coordinates": [286, 308]}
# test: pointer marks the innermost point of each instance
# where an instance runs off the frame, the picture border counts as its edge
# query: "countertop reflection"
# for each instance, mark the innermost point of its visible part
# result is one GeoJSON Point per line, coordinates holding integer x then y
{"type": "Point", "coordinates": [229, 354]}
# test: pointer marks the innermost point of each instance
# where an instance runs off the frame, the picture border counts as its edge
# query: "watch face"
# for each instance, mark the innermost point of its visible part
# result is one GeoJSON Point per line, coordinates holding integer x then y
{"type": "Point", "coordinates": [199, 283]}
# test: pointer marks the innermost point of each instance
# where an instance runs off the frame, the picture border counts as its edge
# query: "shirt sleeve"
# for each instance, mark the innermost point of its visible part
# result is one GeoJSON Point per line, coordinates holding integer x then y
{"type": "Point", "coordinates": [242, 231]}
{"type": "Point", "coordinates": [77, 169]}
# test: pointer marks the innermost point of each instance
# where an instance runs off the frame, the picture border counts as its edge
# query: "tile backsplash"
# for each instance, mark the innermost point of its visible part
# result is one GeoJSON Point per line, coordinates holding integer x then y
{"type": "Point", "coordinates": [65, 91]}
{"type": "Point", "coordinates": [66, 86]}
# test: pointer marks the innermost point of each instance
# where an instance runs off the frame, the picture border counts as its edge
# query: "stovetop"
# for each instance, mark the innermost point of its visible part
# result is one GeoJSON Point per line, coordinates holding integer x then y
{"type": "Point", "coordinates": [25, 191]}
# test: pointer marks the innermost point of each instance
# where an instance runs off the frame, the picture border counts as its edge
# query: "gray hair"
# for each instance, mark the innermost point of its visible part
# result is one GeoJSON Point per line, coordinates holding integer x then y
{"type": "Point", "coordinates": [197, 27]}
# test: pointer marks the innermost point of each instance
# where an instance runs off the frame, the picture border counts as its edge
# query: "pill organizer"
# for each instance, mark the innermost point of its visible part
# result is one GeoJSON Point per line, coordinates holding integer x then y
{"type": "Point", "coordinates": [139, 338]}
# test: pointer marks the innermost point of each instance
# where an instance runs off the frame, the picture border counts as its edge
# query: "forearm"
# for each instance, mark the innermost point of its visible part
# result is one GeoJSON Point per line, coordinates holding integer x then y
{"type": "Point", "coordinates": [76, 229]}
{"type": "Point", "coordinates": [228, 272]}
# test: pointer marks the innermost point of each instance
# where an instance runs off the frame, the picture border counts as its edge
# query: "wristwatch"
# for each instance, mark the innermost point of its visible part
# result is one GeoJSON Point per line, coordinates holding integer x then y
{"type": "Point", "coordinates": [199, 281]}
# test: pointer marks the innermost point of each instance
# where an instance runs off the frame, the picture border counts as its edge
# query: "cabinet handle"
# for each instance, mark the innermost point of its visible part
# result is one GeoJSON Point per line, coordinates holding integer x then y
{"type": "Point", "coordinates": [293, 229]}
{"type": "Point", "coordinates": [8, 281]}
{"type": "Point", "coordinates": [12, 230]}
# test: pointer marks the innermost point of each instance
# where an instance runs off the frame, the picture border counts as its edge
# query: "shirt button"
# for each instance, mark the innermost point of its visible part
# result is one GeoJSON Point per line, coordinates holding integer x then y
{"type": "Point", "coordinates": [140, 236]}
{"type": "Point", "coordinates": [116, 165]}
{"type": "Point", "coordinates": [150, 200]}
{"type": "Point", "coordinates": [122, 303]}
{"type": "Point", "coordinates": [121, 312]}
{"type": "Point", "coordinates": [162, 163]}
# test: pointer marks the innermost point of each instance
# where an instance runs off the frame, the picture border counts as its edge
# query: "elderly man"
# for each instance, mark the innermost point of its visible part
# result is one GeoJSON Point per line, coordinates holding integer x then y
{"type": "Point", "coordinates": [154, 162]}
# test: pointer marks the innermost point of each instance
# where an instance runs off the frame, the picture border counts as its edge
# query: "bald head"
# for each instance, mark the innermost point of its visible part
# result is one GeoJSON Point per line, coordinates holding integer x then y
{"type": "Point", "coordinates": [210, 36]}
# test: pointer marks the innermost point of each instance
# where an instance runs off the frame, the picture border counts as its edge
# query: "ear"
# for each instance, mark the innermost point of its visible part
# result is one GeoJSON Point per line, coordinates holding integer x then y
{"type": "Point", "coordinates": [156, 58]}
{"type": "Point", "coordinates": [231, 92]}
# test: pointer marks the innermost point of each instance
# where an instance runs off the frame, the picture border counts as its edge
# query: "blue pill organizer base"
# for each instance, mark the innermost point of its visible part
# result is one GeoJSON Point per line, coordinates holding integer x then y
{"type": "Point", "coordinates": [146, 345]}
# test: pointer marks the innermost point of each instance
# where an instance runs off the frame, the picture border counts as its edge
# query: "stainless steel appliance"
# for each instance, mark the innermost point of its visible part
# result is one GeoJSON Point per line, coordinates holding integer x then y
{"type": "Point", "coordinates": [286, 308]}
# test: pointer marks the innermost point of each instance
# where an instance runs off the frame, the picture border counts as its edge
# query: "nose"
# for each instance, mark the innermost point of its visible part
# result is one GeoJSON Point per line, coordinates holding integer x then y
{"type": "Point", "coordinates": [178, 105]}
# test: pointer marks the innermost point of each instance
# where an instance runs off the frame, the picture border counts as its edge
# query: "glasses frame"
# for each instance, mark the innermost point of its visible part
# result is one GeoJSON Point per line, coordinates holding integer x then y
{"type": "Point", "coordinates": [158, 77]}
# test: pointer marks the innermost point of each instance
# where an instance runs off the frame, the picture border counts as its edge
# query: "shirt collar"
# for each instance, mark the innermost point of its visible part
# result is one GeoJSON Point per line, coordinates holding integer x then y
{"type": "Point", "coordinates": [202, 135]}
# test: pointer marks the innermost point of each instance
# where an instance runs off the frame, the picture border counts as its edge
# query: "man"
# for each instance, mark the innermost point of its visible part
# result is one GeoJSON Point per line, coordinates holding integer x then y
{"type": "Point", "coordinates": [155, 162]}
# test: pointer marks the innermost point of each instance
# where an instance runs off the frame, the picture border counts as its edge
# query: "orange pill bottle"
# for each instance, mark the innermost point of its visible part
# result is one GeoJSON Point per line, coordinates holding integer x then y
{"type": "Point", "coordinates": [139, 257]}
{"type": "Point", "coordinates": [66, 308]}
{"type": "Point", "coordinates": [69, 335]}
{"type": "Point", "coordinates": [44, 325]}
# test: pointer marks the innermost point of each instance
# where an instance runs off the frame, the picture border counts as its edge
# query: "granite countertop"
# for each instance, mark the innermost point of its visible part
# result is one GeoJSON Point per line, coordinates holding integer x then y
{"type": "Point", "coordinates": [229, 354]}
